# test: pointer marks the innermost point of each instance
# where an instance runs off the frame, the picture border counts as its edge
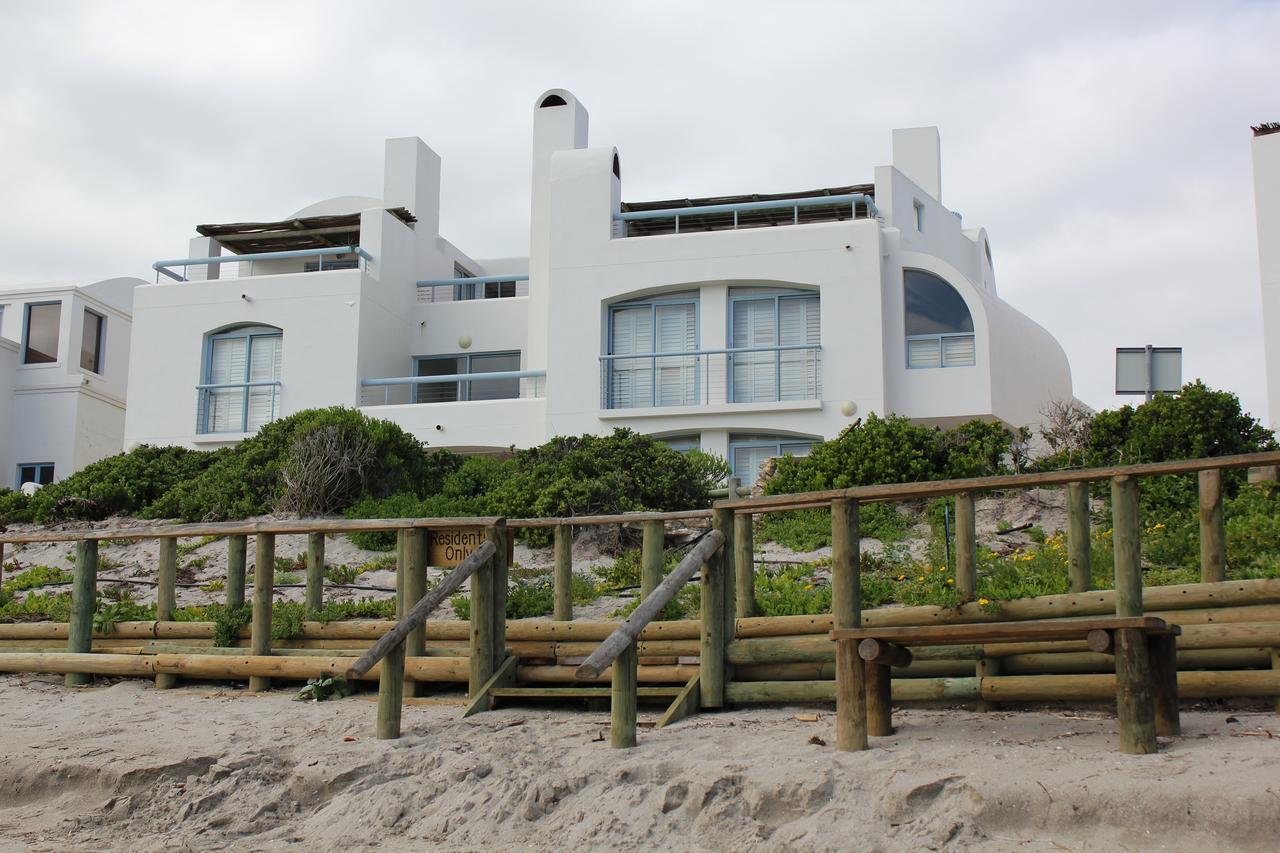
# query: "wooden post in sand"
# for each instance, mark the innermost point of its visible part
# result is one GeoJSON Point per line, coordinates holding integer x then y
{"type": "Point", "coordinates": [481, 628]}
{"type": "Point", "coordinates": [1135, 705]}
{"type": "Point", "coordinates": [651, 556]}
{"type": "Point", "coordinates": [1213, 533]}
{"type": "Point", "coordinates": [846, 570]}
{"type": "Point", "coordinates": [415, 645]}
{"type": "Point", "coordinates": [744, 565]}
{"type": "Point", "coordinates": [315, 571]}
{"type": "Point", "coordinates": [497, 535]}
{"type": "Point", "coordinates": [167, 596]}
{"type": "Point", "coordinates": [564, 572]}
{"type": "Point", "coordinates": [264, 578]}
{"type": "Point", "coordinates": [390, 693]}
{"type": "Point", "coordinates": [84, 598]}
{"type": "Point", "coordinates": [622, 709]}
{"type": "Point", "coordinates": [1079, 562]}
{"type": "Point", "coordinates": [1126, 541]}
{"type": "Point", "coordinates": [711, 651]}
{"type": "Point", "coordinates": [966, 547]}
{"type": "Point", "coordinates": [237, 554]}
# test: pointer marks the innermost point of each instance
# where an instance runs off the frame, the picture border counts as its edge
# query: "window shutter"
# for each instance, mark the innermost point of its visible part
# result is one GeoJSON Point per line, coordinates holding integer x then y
{"type": "Point", "coordinates": [677, 377]}
{"type": "Point", "coordinates": [924, 352]}
{"type": "Point", "coordinates": [631, 379]}
{"type": "Point", "coordinates": [958, 351]}
{"type": "Point", "coordinates": [798, 323]}
{"type": "Point", "coordinates": [265, 353]}
{"type": "Point", "coordinates": [754, 373]}
{"type": "Point", "coordinates": [224, 407]}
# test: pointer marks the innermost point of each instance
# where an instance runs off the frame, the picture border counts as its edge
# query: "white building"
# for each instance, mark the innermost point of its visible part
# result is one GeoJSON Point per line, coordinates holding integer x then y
{"type": "Point", "coordinates": [1266, 196]}
{"type": "Point", "coordinates": [747, 325]}
{"type": "Point", "coordinates": [64, 355]}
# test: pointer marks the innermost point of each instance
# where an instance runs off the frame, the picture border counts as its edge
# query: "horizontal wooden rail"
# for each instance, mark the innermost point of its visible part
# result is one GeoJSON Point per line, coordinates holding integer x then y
{"type": "Point", "coordinates": [422, 609]}
{"type": "Point", "coordinates": [246, 528]}
{"type": "Point", "coordinates": [629, 631]}
{"type": "Point", "coordinates": [941, 488]}
{"type": "Point", "coordinates": [618, 518]}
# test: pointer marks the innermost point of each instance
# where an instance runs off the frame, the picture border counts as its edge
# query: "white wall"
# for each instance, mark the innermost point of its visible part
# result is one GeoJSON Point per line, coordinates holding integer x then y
{"type": "Point", "coordinates": [8, 368]}
{"type": "Point", "coordinates": [1266, 194]}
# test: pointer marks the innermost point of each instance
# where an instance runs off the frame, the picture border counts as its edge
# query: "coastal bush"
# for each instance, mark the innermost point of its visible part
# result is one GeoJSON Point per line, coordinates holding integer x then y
{"type": "Point", "coordinates": [122, 484]}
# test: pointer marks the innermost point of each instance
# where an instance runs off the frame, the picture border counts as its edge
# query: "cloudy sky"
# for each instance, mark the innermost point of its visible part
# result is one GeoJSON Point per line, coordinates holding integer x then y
{"type": "Point", "coordinates": [1105, 146]}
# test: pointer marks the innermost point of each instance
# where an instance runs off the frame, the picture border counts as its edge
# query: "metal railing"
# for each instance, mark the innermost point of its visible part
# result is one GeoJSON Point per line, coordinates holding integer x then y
{"type": "Point", "coordinates": [243, 265]}
{"type": "Point", "coordinates": [768, 374]}
{"type": "Point", "coordinates": [229, 407]}
{"type": "Point", "coordinates": [747, 214]}
{"type": "Point", "coordinates": [472, 287]}
{"type": "Point", "coordinates": [455, 388]}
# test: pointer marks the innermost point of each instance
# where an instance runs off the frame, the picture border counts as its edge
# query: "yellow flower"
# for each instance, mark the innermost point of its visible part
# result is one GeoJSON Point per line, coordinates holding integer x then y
{"type": "Point", "coordinates": [902, 577]}
{"type": "Point", "coordinates": [920, 578]}
{"type": "Point", "coordinates": [983, 601]}
{"type": "Point", "coordinates": [950, 580]}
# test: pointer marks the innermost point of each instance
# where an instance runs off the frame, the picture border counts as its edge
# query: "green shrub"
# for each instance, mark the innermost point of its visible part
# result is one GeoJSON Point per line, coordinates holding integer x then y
{"type": "Point", "coordinates": [365, 608]}
{"type": "Point", "coordinates": [37, 607]}
{"type": "Point", "coordinates": [122, 484]}
{"type": "Point", "coordinates": [527, 598]}
{"type": "Point", "coordinates": [792, 591]}
{"type": "Point", "coordinates": [34, 577]}
{"type": "Point", "coordinates": [810, 529]}
{"type": "Point", "coordinates": [15, 507]}
{"type": "Point", "coordinates": [408, 505]}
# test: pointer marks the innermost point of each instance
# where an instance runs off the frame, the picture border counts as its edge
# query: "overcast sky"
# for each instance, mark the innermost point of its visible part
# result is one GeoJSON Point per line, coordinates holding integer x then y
{"type": "Point", "coordinates": [1105, 146]}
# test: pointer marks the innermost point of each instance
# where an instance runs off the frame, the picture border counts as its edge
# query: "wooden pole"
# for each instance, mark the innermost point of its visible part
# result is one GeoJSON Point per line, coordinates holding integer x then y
{"type": "Point", "coordinates": [1275, 667]}
{"type": "Point", "coordinates": [744, 565]}
{"type": "Point", "coordinates": [237, 552]}
{"type": "Point", "coordinates": [415, 644]}
{"type": "Point", "coordinates": [497, 535]}
{"type": "Point", "coordinates": [1213, 532]}
{"type": "Point", "coordinates": [986, 667]}
{"type": "Point", "coordinates": [879, 700]}
{"type": "Point", "coordinates": [315, 571]}
{"type": "Point", "coordinates": [264, 573]}
{"type": "Point", "coordinates": [391, 693]}
{"type": "Point", "coordinates": [711, 663]}
{"type": "Point", "coordinates": [966, 547]}
{"type": "Point", "coordinates": [1079, 564]}
{"type": "Point", "coordinates": [482, 628]}
{"type": "Point", "coordinates": [619, 638]}
{"type": "Point", "coordinates": [652, 558]}
{"type": "Point", "coordinates": [1, 563]}
{"type": "Point", "coordinates": [846, 570]}
{"type": "Point", "coordinates": [851, 697]}
{"type": "Point", "coordinates": [1126, 542]}
{"type": "Point", "coordinates": [84, 599]}
{"type": "Point", "coordinates": [722, 520]}
{"type": "Point", "coordinates": [1164, 683]}
{"type": "Point", "coordinates": [622, 709]}
{"type": "Point", "coordinates": [1135, 708]}
{"type": "Point", "coordinates": [167, 597]}
{"type": "Point", "coordinates": [564, 571]}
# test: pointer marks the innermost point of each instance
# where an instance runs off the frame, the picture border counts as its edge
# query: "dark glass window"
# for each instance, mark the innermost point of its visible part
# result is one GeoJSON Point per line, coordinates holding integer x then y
{"type": "Point", "coordinates": [40, 473]}
{"type": "Point", "coordinates": [41, 333]}
{"type": "Point", "coordinates": [933, 306]}
{"type": "Point", "coordinates": [91, 342]}
{"type": "Point", "coordinates": [476, 389]}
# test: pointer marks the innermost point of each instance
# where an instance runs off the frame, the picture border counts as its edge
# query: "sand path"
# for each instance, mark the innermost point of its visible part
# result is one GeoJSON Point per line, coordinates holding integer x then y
{"type": "Point", "coordinates": [123, 767]}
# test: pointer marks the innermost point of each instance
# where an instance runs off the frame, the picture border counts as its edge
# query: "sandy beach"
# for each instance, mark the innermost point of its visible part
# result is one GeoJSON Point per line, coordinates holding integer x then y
{"type": "Point", "coordinates": [123, 767]}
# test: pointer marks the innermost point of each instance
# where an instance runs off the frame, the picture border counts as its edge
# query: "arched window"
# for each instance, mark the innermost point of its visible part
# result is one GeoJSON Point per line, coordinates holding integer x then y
{"type": "Point", "coordinates": [938, 324]}
{"type": "Point", "coordinates": [241, 387]}
{"type": "Point", "coordinates": [552, 101]}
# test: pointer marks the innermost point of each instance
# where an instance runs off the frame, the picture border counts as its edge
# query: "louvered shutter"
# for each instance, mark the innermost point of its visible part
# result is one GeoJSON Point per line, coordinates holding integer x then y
{"type": "Point", "coordinates": [224, 407]}
{"type": "Point", "coordinates": [799, 322]}
{"type": "Point", "coordinates": [747, 462]}
{"type": "Point", "coordinates": [754, 373]}
{"type": "Point", "coordinates": [677, 331]}
{"type": "Point", "coordinates": [265, 353]}
{"type": "Point", "coordinates": [631, 379]}
{"type": "Point", "coordinates": [924, 352]}
{"type": "Point", "coordinates": [958, 351]}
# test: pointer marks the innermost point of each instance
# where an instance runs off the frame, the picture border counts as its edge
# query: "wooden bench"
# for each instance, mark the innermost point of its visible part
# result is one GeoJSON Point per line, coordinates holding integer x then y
{"type": "Point", "coordinates": [1145, 660]}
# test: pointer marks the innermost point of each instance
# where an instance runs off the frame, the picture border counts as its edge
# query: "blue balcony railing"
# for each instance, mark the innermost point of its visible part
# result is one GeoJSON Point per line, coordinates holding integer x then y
{"type": "Point", "coordinates": [455, 388]}
{"type": "Point", "coordinates": [746, 214]}
{"type": "Point", "coordinates": [767, 374]}
{"type": "Point", "coordinates": [216, 262]}
{"type": "Point", "coordinates": [472, 287]}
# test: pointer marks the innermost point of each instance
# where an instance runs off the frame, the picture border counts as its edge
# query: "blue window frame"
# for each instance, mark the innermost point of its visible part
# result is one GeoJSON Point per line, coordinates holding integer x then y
{"type": "Point", "coordinates": [759, 318]}
{"type": "Point", "coordinates": [748, 452]}
{"type": "Point", "coordinates": [646, 338]}
{"type": "Point", "coordinates": [241, 388]}
{"type": "Point", "coordinates": [40, 473]}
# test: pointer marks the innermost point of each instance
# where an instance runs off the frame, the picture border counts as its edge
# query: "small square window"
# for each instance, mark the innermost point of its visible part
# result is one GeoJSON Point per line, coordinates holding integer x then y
{"type": "Point", "coordinates": [919, 215]}
{"type": "Point", "coordinates": [40, 335]}
{"type": "Point", "coordinates": [40, 473]}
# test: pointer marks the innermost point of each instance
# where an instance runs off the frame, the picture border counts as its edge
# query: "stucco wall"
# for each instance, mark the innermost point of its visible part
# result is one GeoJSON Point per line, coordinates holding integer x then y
{"type": "Point", "coordinates": [8, 368]}
{"type": "Point", "coordinates": [1266, 192]}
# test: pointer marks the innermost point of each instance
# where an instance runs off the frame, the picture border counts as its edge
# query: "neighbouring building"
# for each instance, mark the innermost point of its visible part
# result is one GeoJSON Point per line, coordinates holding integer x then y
{"type": "Point", "coordinates": [64, 356]}
{"type": "Point", "coordinates": [749, 325]}
{"type": "Point", "coordinates": [1266, 199]}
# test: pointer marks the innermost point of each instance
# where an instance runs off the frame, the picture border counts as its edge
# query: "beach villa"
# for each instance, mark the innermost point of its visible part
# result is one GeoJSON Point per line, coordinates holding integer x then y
{"type": "Point", "coordinates": [748, 325]}
{"type": "Point", "coordinates": [64, 356]}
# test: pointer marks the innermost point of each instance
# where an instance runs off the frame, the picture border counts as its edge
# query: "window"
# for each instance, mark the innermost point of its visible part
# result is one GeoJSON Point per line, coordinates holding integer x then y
{"type": "Point", "coordinates": [91, 341]}
{"type": "Point", "coordinates": [748, 453]}
{"type": "Point", "coordinates": [552, 101]}
{"type": "Point", "coordinates": [647, 332]}
{"type": "Point", "coordinates": [788, 328]}
{"type": "Point", "coordinates": [474, 389]}
{"type": "Point", "coordinates": [40, 473]}
{"type": "Point", "coordinates": [241, 390]}
{"type": "Point", "coordinates": [919, 215]}
{"type": "Point", "coordinates": [324, 265]}
{"type": "Point", "coordinates": [40, 333]}
{"type": "Point", "coordinates": [683, 443]}
{"type": "Point", "coordinates": [938, 323]}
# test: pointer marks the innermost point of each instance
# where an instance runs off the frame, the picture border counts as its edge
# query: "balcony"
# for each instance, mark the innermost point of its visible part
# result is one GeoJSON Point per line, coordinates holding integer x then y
{"type": "Point", "coordinates": [737, 375]}
{"type": "Point", "coordinates": [467, 288]}
{"type": "Point", "coordinates": [732, 213]}
{"type": "Point", "coordinates": [242, 266]}
{"type": "Point", "coordinates": [455, 388]}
